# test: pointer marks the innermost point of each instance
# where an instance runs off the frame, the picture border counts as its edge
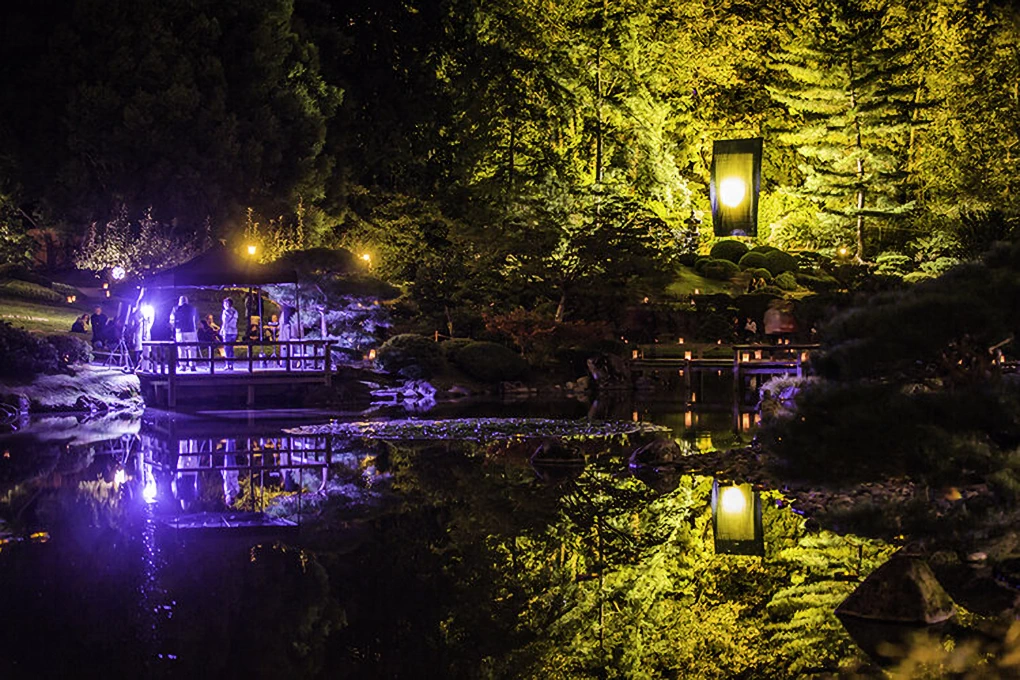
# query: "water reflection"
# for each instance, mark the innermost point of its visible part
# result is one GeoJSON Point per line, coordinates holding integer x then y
{"type": "Point", "coordinates": [449, 556]}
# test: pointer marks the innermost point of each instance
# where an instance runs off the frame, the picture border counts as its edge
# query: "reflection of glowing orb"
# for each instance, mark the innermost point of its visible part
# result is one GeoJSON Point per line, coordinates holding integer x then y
{"type": "Point", "coordinates": [732, 191]}
{"type": "Point", "coordinates": [148, 313]}
{"type": "Point", "coordinates": [733, 500]}
{"type": "Point", "coordinates": [119, 477]}
{"type": "Point", "coordinates": [149, 492]}
{"type": "Point", "coordinates": [118, 273]}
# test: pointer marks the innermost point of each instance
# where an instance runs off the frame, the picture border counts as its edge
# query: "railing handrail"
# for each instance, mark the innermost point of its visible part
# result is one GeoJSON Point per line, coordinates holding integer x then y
{"type": "Point", "coordinates": [218, 343]}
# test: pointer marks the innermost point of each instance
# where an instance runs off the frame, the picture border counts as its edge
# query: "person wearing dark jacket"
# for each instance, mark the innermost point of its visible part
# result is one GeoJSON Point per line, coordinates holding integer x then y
{"type": "Point", "coordinates": [99, 321]}
{"type": "Point", "coordinates": [184, 319]}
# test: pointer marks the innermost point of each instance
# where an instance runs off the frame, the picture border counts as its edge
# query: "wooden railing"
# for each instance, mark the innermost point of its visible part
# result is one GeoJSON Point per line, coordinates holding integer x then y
{"type": "Point", "coordinates": [167, 358]}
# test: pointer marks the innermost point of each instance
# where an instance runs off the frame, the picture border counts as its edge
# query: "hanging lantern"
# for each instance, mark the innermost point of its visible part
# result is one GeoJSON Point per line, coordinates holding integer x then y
{"type": "Point", "coordinates": [736, 520]}
{"type": "Point", "coordinates": [734, 187]}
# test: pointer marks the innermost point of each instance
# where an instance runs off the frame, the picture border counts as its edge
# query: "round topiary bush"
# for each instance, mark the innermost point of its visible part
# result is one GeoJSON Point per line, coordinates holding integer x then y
{"type": "Point", "coordinates": [752, 260]}
{"type": "Point", "coordinates": [764, 250]}
{"type": "Point", "coordinates": [699, 264]}
{"type": "Point", "coordinates": [778, 262]}
{"type": "Point", "coordinates": [452, 347]}
{"type": "Point", "coordinates": [721, 270]}
{"type": "Point", "coordinates": [688, 259]}
{"type": "Point", "coordinates": [761, 274]}
{"type": "Point", "coordinates": [818, 283]}
{"type": "Point", "coordinates": [786, 281]}
{"type": "Point", "coordinates": [768, 290]}
{"type": "Point", "coordinates": [490, 362]}
{"type": "Point", "coordinates": [728, 250]}
{"type": "Point", "coordinates": [407, 350]}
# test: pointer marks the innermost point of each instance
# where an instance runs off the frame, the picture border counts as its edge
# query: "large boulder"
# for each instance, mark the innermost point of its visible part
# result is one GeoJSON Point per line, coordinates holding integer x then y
{"type": "Point", "coordinates": [656, 453]}
{"type": "Point", "coordinates": [903, 590]}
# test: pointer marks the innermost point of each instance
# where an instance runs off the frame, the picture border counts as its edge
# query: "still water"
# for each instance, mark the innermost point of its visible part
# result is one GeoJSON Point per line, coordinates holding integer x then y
{"type": "Point", "coordinates": [216, 545]}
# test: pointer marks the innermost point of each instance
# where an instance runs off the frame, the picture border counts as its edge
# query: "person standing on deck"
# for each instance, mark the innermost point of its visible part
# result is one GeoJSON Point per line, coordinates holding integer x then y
{"type": "Point", "coordinates": [184, 319]}
{"type": "Point", "coordinates": [290, 329]}
{"type": "Point", "coordinates": [228, 330]}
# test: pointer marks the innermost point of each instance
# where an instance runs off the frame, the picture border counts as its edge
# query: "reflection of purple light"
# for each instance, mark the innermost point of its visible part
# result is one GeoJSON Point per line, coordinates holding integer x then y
{"type": "Point", "coordinates": [149, 492]}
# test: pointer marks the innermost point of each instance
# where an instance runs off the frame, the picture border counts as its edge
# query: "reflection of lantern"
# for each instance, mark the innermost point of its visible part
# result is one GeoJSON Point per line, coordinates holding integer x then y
{"type": "Point", "coordinates": [703, 442]}
{"type": "Point", "coordinates": [736, 520]}
{"type": "Point", "coordinates": [736, 179]}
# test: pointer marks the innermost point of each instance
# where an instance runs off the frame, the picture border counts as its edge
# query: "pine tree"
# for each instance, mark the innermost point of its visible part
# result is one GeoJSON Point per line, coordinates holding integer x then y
{"type": "Point", "coordinates": [846, 90]}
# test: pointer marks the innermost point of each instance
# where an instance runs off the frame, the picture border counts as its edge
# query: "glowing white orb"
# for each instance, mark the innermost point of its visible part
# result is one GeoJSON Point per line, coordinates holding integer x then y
{"type": "Point", "coordinates": [148, 312]}
{"type": "Point", "coordinates": [118, 273]}
{"type": "Point", "coordinates": [732, 191]}
{"type": "Point", "coordinates": [119, 477]}
{"type": "Point", "coordinates": [732, 500]}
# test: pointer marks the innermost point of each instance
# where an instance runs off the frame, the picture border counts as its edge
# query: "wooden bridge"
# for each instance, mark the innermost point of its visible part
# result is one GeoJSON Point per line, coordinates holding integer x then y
{"type": "Point", "coordinates": [742, 362]}
{"type": "Point", "coordinates": [196, 371]}
{"type": "Point", "coordinates": [741, 359]}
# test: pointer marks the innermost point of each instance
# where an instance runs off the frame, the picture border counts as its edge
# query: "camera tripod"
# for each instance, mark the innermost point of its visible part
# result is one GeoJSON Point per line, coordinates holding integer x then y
{"type": "Point", "coordinates": [120, 357]}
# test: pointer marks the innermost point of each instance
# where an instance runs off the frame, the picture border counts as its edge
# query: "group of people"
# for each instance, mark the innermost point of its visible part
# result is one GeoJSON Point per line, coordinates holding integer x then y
{"type": "Point", "coordinates": [105, 333]}
{"type": "Point", "coordinates": [136, 328]}
{"type": "Point", "coordinates": [189, 328]}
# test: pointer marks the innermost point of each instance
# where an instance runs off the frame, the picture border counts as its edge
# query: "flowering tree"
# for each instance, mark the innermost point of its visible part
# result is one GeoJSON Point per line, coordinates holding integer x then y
{"type": "Point", "coordinates": [143, 246]}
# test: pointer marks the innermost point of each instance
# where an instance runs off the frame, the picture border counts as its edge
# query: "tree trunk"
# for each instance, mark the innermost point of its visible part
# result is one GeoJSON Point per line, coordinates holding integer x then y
{"type": "Point", "coordinates": [859, 255]}
{"type": "Point", "coordinates": [561, 307]}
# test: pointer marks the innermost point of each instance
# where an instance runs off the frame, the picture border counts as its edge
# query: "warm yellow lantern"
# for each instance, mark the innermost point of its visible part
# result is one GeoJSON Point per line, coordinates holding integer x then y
{"type": "Point", "coordinates": [734, 186]}
{"type": "Point", "coordinates": [736, 519]}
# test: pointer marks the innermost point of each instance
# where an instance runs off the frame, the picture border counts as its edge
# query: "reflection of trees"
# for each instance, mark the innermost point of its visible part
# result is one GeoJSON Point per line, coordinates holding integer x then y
{"type": "Point", "coordinates": [484, 570]}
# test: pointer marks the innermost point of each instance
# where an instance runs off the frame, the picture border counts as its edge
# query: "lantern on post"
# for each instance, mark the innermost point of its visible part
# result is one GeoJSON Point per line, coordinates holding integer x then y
{"type": "Point", "coordinates": [736, 520]}
{"type": "Point", "coordinates": [736, 180]}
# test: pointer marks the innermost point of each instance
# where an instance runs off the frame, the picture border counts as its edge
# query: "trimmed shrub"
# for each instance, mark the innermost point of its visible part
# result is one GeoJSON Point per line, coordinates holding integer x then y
{"type": "Point", "coordinates": [769, 290]}
{"type": "Point", "coordinates": [407, 350]}
{"type": "Point", "coordinates": [721, 270]}
{"type": "Point", "coordinates": [786, 281]}
{"type": "Point", "coordinates": [490, 362]}
{"type": "Point", "coordinates": [34, 292]}
{"type": "Point", "coordinates": [763, 249]}
{"type": "Point", "coordinates": [916, 277]}
{"type": "Point", "coordinates": [817, 283]}
{"type": "Point", "coordinates": [728, 250]}
{"type": "Point", "coordinates": [452, 347]}
{"type": "Point", "coordinates": [699, 264]}
{"type": "Point", "coordinates": [688, 259]}
{"type": "Point", "coordinates": [23, 355]}
{"type": "Point", "coordinates": [70, 349]}
{"type": "Point", "coordinates": [762, 274]}
{"type": "Point", "coordinates": [752, 260]}
{"type": "Point", "coordinates": [778, 262]}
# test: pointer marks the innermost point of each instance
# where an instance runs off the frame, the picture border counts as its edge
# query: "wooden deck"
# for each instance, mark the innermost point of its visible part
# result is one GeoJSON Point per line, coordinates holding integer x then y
{"type": "Point", "coordinates": [196, 371]}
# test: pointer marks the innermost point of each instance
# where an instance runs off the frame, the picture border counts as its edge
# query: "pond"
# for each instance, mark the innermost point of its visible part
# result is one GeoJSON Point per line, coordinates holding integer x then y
{"type": "Point", "coordinates": [220, 545]}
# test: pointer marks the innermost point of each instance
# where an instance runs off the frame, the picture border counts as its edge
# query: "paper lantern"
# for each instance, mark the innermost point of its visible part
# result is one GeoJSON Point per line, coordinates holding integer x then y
{"type": "Point", "coordinates": [734, 187]}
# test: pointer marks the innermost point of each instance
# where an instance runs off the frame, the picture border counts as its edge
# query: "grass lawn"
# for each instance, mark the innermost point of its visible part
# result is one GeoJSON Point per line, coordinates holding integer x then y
{"type": "Point", "coordinates": [38, 317]}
